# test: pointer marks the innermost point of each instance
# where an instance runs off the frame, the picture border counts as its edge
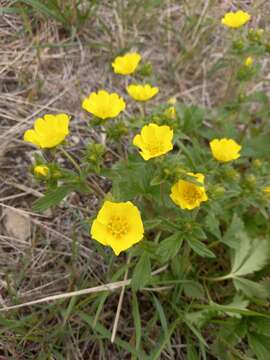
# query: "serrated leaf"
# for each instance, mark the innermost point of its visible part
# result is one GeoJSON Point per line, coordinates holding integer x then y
{"type": "Point", "coordinates": [193, 290]}
{"type": "Point", "coordinates": [141, 273]}
{"type": "Point", "coordinates": [51, 198]}
{"type": "Point", "coordinates": [200, 248]}
{"type": "Point", "coordinates": [200, 318]}
{"type": "Point", "coordinates": [230, 334]}
{"type": "Point", "coordinates": [230, 238]}
{"type": "Point", "coordinates": [251, 288]}
{"type": "Point", "coordinates": [212, 224]}
{"type": "Point", "coordinates": [242, 251]}
{"type": "Point", "coordinates": [238, 303]}
{"type": "Point", "coordinates": [250, 257]}
{"type": "Point", "coordinates": [169, 247]}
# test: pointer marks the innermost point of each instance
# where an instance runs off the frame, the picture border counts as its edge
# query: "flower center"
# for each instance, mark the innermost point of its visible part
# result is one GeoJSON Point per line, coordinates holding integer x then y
{"type": "Point", "coordinates": [117, 226]}
{"type": "Point", "coordinates": [191, 194]}
{"type": "Point", "coordinates": [155, 147]}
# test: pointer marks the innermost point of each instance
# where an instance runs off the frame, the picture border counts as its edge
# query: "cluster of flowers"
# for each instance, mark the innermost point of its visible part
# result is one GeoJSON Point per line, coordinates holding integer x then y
{"type": "Point", "coordinates": [119, 225]}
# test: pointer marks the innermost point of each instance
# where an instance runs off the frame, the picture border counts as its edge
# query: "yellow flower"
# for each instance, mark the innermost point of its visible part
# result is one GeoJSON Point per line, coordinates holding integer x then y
{"type": "Point", "coordinates": [154, 140]}
{"type": "Point", "coordinates": [103, 104]}
{"type": "Point", "coordinates": [127, 64]}
{"type": "Point", "coordinates": [188, 195]}
{"type": "Point", "coordinates": [118, 225]}
{"type": "Point", "coordinates": [142, 92]}
{"type": "Point", "coordinates": [225, 149]}
{"type": "Point", "coordinates": [235, 19]}
{"type": "Point", "coordinates": [170, 112]}
{"type": "Point", "coordinates": [249, 61]}
{"type": "Point", "coordinates": [49, 131]}
{"type": "Point", "coordinates": [41, 170]}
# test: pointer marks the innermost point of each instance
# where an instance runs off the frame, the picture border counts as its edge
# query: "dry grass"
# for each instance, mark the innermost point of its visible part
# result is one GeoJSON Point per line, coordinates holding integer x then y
{"type": "Point", "coordinates": [44, 69]}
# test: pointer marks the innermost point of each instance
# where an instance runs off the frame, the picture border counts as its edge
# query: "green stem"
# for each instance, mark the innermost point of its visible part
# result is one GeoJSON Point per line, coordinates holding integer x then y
{"type": "Point", "coordinates": [71, 159]}
{"type": "Point", "coordinates": [97, 189]}
{"type": "Point", "coordinates": [162, 194]}
{"type": "Point", "coordinates": [142, 109]}
{"type": "Point", "coordinates": [93, 185]}
{"type": "Point", "coordinates": [220, 278]}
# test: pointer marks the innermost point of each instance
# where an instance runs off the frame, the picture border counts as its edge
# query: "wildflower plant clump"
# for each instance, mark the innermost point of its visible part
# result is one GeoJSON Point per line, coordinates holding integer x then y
{"type": "Point", "coordinates": [187, 206]}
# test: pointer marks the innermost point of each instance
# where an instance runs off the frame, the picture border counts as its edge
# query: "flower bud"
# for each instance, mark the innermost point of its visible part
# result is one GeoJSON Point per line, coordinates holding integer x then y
{"type": "Point", "coordinates": [245, 72]}
{"type": "Point", "coordinates": [255, 35]}
{"type": "Point", "coordinates": [56, 174]}
{"type": "Point", "coordinates": [238, 44]}
{"type": "Point", "coordinates": [167, 171]}
{"type": "Point", "coordinates": [170, 113]}
{"type": "Point", "coordinates": [146, 70]}
{"type": "Point", "coordinates": [267, 48]}
{"type": "Point", "coordinates": [219, 190]}
{"type": "Point", "coordinates": [242, 97]}
{"type": "Point", "coordinates": [257, 163]}
{"type": "Point", "coordinates": [116, 131]}
{"type": "Point", "coordinates": [172, 101]}
{"type": "Point", "coordinates": [249, 61]}
{"type": "Point", "coordinates": [41, 170]}
{"type": "Point", "coordinates": [232, 174]}
{"type": "Point", "coordinates": [251, 180]}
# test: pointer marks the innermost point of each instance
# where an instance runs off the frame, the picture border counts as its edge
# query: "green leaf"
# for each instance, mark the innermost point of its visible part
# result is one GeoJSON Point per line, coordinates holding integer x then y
{"type": "Point", "coordinates": [200, 318]}
{"type": "Point", "coordinates": [163, 341]}
{"type": "Point", "coordinates": [232, 309]}
{"type": "Point", "coordinates": [51, 198]}
{"type": "Point", "coordinates": [103, 296]}
{"type": "Point", "coordinates": [161, 313]}
{"type": "Point", "coordinates": [212, 224]}
{"type": "Point", "coordinates": [157, 180]}
{"type": "Point", "coordinates": [141, 273]}
{"type": "Point", "coordinates": [200, 248]}
{"type": "Point", "coordinates": [262, 326]}
{"type": "Point", "coordinates": [260, 344]}
{"type": "Point", "coordinates": [231, 333]}
{"type": "Point", "coordinates": [196, 332]}
{"type": "Point", "coordinates": [9, 10]}
{"type": "Point", "coordinates": [250, 256]}
{"type": "Point", "coordinates": [191, 115]}
{"type": "Point", "coordinates": [250, 288]}
{"type": "Point", "coordinates": [169, 247]}
{"type": "Point", "coordinates": [193, 290]}
{"type": "Point", "coordinates": [137, 320]}
{"type": "Point", "coordinates": [151, 224]}
{"type": "Point", "coordinates": [241, 252]}
{"type": "Point", "coordinates": [230, 238]}
{"type": "Point", "coordinates": [238, 303]}
{"type": "Point", "coordinates": [191, 351]}
{"type": "Point", "coordinates": [257, 146]}
{"type": "Point", "coordinates": [106, 334]}
{"type": "Point", "coordinates": [45, 10]}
